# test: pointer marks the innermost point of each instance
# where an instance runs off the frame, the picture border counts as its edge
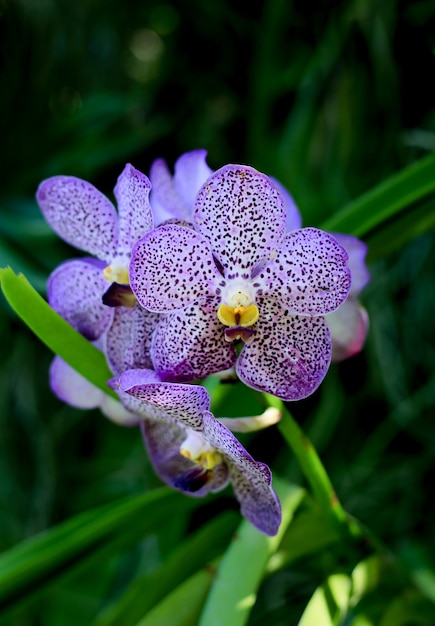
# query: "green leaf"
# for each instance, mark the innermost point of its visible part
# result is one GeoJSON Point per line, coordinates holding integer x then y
{"type": "Point", "coordinates": [32, 565]}
{"type": "Point", "coordinates": [193, 554]}
{"type": "Point", "coordinates": [54, 331]}
{"type": "Point", "coordinates": [183, 606]}
{"type": "Point", "coordinates": [382, 203]}
{"type": "Point", "coordinates": [241, 570]}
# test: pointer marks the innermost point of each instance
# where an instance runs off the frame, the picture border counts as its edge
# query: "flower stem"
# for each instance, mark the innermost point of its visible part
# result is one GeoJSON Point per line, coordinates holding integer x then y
{"type": "Point", "coordinates": [313, 469]}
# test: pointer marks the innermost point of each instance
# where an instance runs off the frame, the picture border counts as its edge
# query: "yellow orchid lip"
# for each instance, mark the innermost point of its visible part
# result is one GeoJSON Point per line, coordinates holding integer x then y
{"type": "Point", "coordinates": [239, 315]}
{"type": "Point", "coordinates": [116, 274]}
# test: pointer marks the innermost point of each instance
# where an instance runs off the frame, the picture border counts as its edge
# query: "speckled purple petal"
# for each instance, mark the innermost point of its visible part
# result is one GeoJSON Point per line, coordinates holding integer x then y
{"type": "Point", "coordinates": [128, 340]}
{"type": "Point", "coordinates": [191, 172]}
{"type": "Point", "coordinates": [182, 403]}
{"type": "Point", "coordinates": [80, 214]}
{"type": "Point", "coordinates": [170, 267]}
{"type": "Point", "coordinates": [190, 343]}
{"type": "Point", "coordinates": [242, 215]}
{"type": "Point", "coordinates": [251, 480]}
{"type": "Point", "coordinates": [75, 390]}
{"type": "Point", "coordinates": [163, 443]}
{"type": "Point", "coordinates": [135, 218]}
{"type": "Point", "coordinates": [74, 290]}
{"type": "Point", "coordinates": [357, 250]}
{"type": "Point", "coordinates": [293, 216]}
{"type": "Point", "coordinates": [309, 274]}
{"type": "Point", "coordinates": [348, 326]}
{"type": "Point", "coordinates": [289, 356]}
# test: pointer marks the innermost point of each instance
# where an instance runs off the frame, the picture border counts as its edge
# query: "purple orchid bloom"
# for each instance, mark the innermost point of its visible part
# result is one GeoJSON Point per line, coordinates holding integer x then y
{"type": "Point", "coordinates": [194, 452]}
{"type": "Point", "coordinates": [87, 220]}
{"type": "Point", "coordinates": [237, 275]}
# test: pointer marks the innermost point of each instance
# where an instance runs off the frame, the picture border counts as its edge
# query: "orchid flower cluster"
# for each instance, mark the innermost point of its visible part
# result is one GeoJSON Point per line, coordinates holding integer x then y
{"type": "Point", "coordinates": [195, 274]}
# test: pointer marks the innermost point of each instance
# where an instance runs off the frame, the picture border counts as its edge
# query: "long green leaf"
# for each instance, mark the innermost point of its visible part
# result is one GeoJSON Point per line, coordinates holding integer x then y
{"type": "Point", "coordinates": [194, 554]}
{"type": "Point", "coordinates": [183, 606]}
{"type": "Point", "coordinates": [394, 195]}
{"type": "Point", "coordinates": [39, 561]}
{"type": "Point", "coordinates": [234, 589]}
{"type": "Point", "coordinates": [54, 331]}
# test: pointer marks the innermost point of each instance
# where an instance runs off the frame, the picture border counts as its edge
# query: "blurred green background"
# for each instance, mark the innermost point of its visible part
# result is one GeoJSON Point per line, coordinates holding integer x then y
{"type": "Point", "coordinates": [329, 97]}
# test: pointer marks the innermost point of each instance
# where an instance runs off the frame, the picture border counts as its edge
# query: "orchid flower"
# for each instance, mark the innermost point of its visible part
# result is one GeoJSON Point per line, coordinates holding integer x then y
{"type": "Point", "coordinates": [237, 276]}
{"type": "Point", "coordinates": [87, 220]}
{"type": "Point", "coordinates": [194, 452]}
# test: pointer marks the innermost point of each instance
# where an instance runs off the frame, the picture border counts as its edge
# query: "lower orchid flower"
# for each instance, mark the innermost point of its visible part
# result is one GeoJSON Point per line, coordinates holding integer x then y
{"type": "Point", "coordinates": [194, 452]}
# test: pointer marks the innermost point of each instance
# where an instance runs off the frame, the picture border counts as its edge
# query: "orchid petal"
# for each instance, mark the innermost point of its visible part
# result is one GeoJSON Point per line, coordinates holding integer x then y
{"type": "Point", "coordinates": [191, 172]}
{"type": "Point", "coordinates": [165, 198]}
{"type": "Point", "coordinates": [128, 340]}
{"type": "Point", "coordinates": [74, 290]}
{"type": "Point", "coordinates": [182, 403]}
{"type": "Point", "coordinates": [289, 356]}
{"type": "Point", "coordinates": [357, 250]}
{"type": "Point", "coordinates": [80, 214]}
{"type": "Point", "coordinates": [251, 480]}
{"type": "Point", "coordinates": [293, 216]}
{"type": "Point", "coordinates": [241, 214]}
{"type": "Point", "coordinates": [190, 343]}
{"type": "Point", "coordinates": [308, 275]}
{"type": "Point", "coordinates": [134, 211]}
{"type": "Point", "coordinates": [163, 442]}
{"type": "Point", "coordinates": [348, 326]}
{"type": "Point", "coordinates": [75, 390]}
{"type": "Point", "coordinates": [170, 267]}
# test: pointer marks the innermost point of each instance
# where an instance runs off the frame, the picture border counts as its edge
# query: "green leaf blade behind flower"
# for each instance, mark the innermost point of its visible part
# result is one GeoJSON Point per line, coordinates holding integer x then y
{"type": "Point", "coordinates": [54, 331]}
{"type": "Point", "coordinates": [378, 206]}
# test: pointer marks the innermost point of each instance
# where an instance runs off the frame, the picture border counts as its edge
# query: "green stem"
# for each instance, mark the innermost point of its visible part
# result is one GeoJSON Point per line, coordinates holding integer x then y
{"type": "Point", "coordinates": [312, 468]}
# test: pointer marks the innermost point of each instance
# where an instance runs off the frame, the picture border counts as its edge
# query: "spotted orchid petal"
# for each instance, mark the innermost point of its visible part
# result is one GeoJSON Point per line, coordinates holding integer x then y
{"type": "Point", "coordinates": [74, 290]}
{"type": "Point", "coordinates": [242, 215]}
{"type": "Point", "coordinates": [170, 267]}
{"type": "Point", "coordinates": [190, 343]}
{"type": "Point", "coordinates": [163, 442]}
{"type": "Point", "coordinates": [182, 403]}
{"type": "Point", "coordinates": [348, 326]}
{"type": "Point", "coordinates": [128, 340]}
{"type": "Point", "coordinates": [309, 274]}
{"type": "Point", "coordinates": [357, 250]}
{"type": "Point", "coordinates": [75, 390]}
{"type": "Point", "coordinates": [80, 214]}
{"type": "Point", "coordinates": [251, 480]}
{"type": "Point", "coordinates": [134, 211]}
{"type": "Point", "coordinates": [289, 356]}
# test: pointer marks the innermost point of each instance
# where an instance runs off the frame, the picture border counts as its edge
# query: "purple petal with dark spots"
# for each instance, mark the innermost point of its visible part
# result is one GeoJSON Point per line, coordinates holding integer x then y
{"type": "Point", "coordinates": [170, 267]}
{"type": "Point", "coordinates": [241, 214]}
{"type": "Point", "coordinates": [289, 355]}
{"type": "Point", "coordinates": [134, 211]}
{"type": "Point", "coordinates": [190, 343]}
{"type": "Point", "coordinates": [80, 214]}
{"type": "Point", "coordinates": [309, 274]}
{"type": "Point", "coordinates": [75, 290]}
{"type": "Point", "coordinates": [251, 480]}
{"type": "Point", "coordinates": [128, 340]}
